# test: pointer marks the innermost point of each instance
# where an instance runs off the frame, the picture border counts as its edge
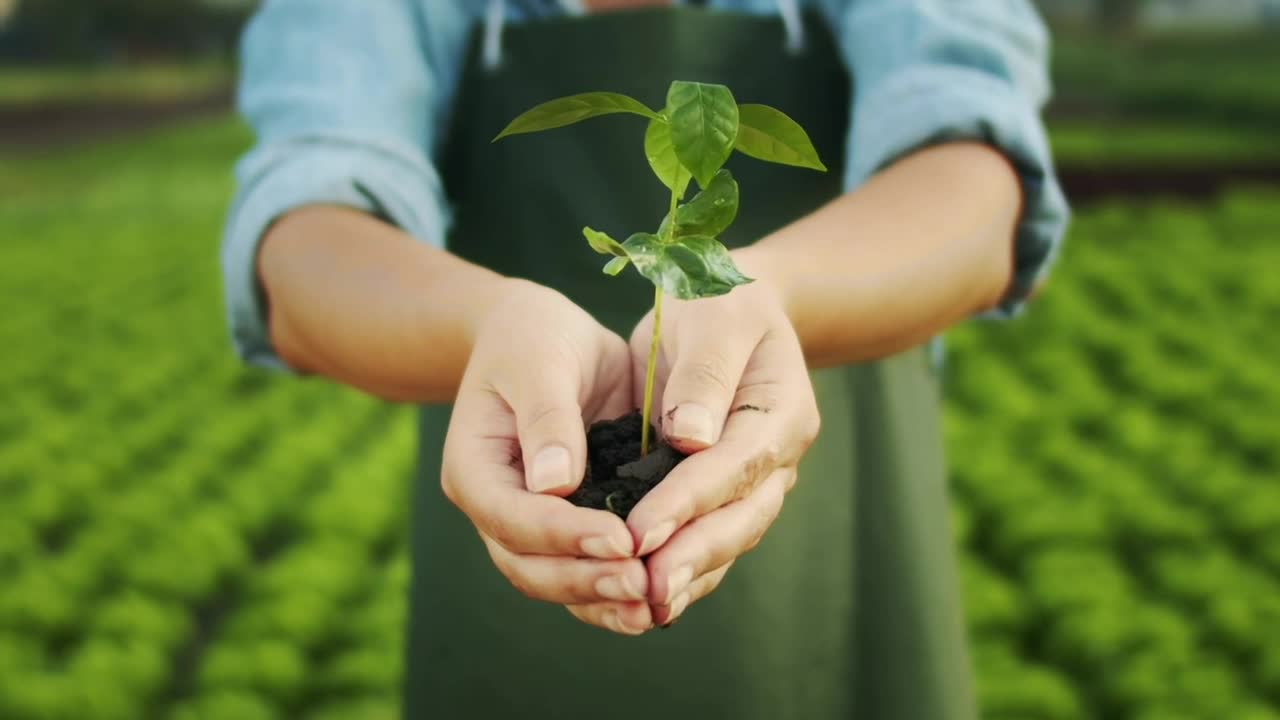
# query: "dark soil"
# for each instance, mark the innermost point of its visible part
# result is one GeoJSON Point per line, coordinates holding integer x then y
{"type": "Point", "coordinates": [617, 476]}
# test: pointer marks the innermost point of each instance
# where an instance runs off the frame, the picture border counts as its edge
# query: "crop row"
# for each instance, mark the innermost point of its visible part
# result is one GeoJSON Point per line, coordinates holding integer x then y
{"type": "Point", "coordinates": [1116, 462]}
{"type": "Point", "coordinates": [188, 539]}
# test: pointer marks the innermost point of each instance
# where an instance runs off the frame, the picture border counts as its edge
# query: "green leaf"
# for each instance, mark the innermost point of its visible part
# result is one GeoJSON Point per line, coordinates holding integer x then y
{"type": "Point", "coordinates": [711, 211]}
{"type": "Point", "coordinates": [767, 134]}
{"type": "Point", "coordinates": [662, 157]}
{"type": "Point", "coordinates": [690, 268]}
{"type": "Point", "coordinates": [616, 265]}
{"type": "Point", "coordinates": [644, 250]}
{"type": "Point", "coordinates": [705, 265]}
{"type": "Point", "coordinates": [704, 125]}
{"type": "Point", "coordinates": [602, 243]}
{"type": "Point", "coordinates": [573, 108]}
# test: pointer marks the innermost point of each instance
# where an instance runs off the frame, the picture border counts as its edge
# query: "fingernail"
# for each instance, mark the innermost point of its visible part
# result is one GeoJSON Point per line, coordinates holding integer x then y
{"type": "Point", "coordinates": [604, 547]}
{"type": "Point", "coordinates": [618, 587]}
{"type": "Point", "coordinates": [692, 422]}
{"type": "Point", "coordinates": [677, 582]}
{"type": "Point", "coordinates": [653, 539]}
{"type": "Point", "coordinates": [550, 469]}
{"type": "Point", "coordinates": [677, 606]}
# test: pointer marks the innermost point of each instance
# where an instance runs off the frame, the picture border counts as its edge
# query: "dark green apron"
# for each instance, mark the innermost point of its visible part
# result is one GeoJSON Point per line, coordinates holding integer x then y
{"type": "Point", "coordinates": [849, 607]}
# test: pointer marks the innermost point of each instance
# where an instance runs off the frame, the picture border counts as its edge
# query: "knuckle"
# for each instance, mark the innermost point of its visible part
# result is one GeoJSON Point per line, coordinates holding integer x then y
{"type": "Point", "coordinates": [768, 510]}
{"type": "Point", "coordinates": [761, 519]}
{"type": "Point", "coordinates": [811, 426]}
{"type": "Point", "coordinates": [790, 481]}
{"type": "Point", "coordinates": [501, 530]}
{"type": "Point", "coordinates": [703, 557]}
{"type": "Point", "coordinates": [753, 471]}
{"type": "Point", "coordinates": [689, 506]}
{"type": "Point", "coordinates": [545, 415]}
{"type": "Point", "coordinates": [449, 476]}
{"type": "Point", "coordinates": [760, 398]}
{"type": "Point", "coordinates": [546, 530]}
{"type": "Point", "coordinates": [767, 456]}
{"type": "Point", "coordinates": [712, 373]}
{"type": "Point", "coordinates": [449, 489]}
{"type": "Point", "coordinates": [594, 618]}
{"type": "Point", "coordinates": [708, 583]}
{"type": "Point", "coordinates": [581, 588]}
{"type": "Point", "coordinates": [582, 613]}
{"type": "Point", "coordinates": [547, 537]}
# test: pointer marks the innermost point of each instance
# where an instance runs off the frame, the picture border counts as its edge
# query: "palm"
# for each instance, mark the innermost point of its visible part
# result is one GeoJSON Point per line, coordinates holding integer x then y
{"type": "Point", "coordinates": [541, 369]}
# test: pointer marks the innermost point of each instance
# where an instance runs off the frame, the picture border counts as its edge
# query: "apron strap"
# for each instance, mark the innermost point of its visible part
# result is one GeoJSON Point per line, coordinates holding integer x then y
{"type": "Point", "coordinates": [495, 18]}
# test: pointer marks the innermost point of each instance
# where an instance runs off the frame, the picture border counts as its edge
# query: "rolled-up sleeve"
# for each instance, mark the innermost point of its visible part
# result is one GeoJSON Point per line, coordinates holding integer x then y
{"type": "Point", "coordinates": [345, 100]}
{"type": "Point", "coordinates": [928, 71]}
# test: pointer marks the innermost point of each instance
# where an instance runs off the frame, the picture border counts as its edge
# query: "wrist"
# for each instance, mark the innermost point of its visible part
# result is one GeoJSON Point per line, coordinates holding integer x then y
{"type": "Point", "coordinates": [496, 299]}
{"type": "Point", "coordinates": [761, 263]}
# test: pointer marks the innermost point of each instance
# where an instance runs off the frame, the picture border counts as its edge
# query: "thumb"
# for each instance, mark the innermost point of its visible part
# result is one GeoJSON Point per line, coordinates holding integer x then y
{"type": "Point", "coordinates": [702, 383]}
{"type": "Point", "coordinates": [553, 442]}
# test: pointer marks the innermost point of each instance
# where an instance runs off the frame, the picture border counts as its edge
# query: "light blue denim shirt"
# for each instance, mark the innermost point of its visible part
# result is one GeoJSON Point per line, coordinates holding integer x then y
{"type": "Point", "coordinates": [349, 100]}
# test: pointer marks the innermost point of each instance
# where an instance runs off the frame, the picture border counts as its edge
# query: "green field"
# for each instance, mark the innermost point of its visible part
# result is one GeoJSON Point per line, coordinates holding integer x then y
{"type": "Point", "coordinates": [1157, 145]}
{"type": "Point", "coordinates": [22, 86]}
{"type": "Point", "coordinates": [1218, 78]}
{"type": "Point", "coordinates": [1115, 462]}
{"type": "Point", "coordinates": [183, 537]}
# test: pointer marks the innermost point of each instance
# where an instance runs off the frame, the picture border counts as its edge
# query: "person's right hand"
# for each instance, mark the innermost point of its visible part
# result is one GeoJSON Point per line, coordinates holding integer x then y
{"type": "Point", "coordinates": [516, 444]}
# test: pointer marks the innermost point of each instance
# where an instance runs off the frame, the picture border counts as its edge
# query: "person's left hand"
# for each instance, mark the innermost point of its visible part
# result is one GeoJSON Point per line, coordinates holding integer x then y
{"type": "Point", "coordinates": [733, 389]}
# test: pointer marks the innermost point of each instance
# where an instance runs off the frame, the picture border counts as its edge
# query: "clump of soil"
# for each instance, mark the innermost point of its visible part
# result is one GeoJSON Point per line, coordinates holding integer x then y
{"type": "Point", "coordinates": [617, 476]}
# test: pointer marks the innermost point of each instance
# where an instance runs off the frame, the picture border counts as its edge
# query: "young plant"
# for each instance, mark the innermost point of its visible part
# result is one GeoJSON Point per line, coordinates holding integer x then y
{"type": "Point", "coordinates": [689, 139]}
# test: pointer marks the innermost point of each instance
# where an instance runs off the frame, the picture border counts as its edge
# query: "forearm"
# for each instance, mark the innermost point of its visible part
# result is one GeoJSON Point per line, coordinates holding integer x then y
{"type": "Point", "coordinates": [362, 302]}
{"type": "Point", "coordinates": [924, 244]}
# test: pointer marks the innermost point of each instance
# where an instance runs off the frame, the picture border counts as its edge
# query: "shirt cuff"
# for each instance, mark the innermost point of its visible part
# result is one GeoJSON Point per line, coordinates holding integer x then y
{"type": "Point", "coordinates": [930, 104]}
{"type": "Point", "coordinates": [395, 184]}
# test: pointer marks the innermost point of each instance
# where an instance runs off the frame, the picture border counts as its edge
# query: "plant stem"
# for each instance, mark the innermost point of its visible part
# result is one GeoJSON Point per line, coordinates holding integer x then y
{"type": "Point", "coordinates": [652, 367]}
{"type": "Point", "coordinates": [650, 370]}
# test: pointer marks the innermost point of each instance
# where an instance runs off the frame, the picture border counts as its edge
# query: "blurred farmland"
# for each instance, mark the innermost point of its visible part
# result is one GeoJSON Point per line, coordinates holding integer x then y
{"type": "Point", "coordinates": [182, 537]}
{"type": "Point", "coordinates": [1115, 461]}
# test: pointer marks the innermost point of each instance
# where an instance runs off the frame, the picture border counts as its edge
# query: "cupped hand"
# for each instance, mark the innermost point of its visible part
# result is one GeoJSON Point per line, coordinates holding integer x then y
{"type": "Point", "coordinates": [733, 389]}
{"type": "Point", "coordinates": [516, 444]}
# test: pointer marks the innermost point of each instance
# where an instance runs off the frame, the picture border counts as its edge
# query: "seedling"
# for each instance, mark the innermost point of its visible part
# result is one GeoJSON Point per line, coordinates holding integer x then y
{"type": "Point", "coordinates": [689, 139]}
